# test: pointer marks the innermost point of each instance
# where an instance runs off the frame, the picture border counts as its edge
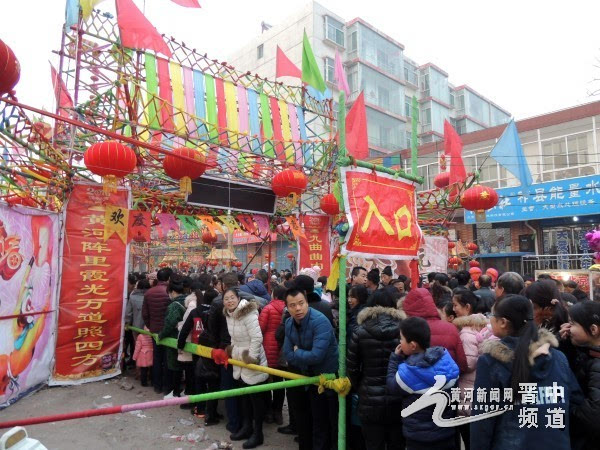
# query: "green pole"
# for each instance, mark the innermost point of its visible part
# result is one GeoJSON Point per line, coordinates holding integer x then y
{"type": "Point", "coordinates": [342, 285]}
{"type": "Point", "coordinates": [413, 137]}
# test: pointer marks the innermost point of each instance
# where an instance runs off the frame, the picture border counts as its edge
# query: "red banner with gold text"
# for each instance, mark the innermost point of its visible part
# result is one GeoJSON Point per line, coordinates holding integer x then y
{"type": "Point", "coordinates": [314, 246]}
{"type": "Point", "coordinates": [381, 215]}
{"type": "Point", "coordinates": [91, 302]}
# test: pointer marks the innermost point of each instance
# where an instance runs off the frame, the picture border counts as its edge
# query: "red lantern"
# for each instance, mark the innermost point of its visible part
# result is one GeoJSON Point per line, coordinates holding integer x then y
{"type": "Point", "coordinates": [475, 273]}
{"type": "Point", "coordinates": [289, 182]}
{"type": "Point", "coordinates": [472, 247]}
{"type": "Point", "coordinates": [474, 263]}
{"type": "Point", "coordinates": [183, 169]}
{"type": "Point", "coordinates": [110, 160]}
{"type": "Point", "coordinates": [213, 263]}
{"type": "Point", "coordinates": [329, 205]}
{"type": "Point", "coordinates": [451, 245]}
{"type": "Point", "coordinates": [250, 256]}
{"type": "Point", "coordinates": [454, 261]}
{"type": "Point", "coordinates": [10, 69]}
{"type": "Point", "coordinates": [290, 256]}
{"type": "Point", "coordinates": [208, 237]}
{"type": "Point", "coordinates": [479, 198]}
{"type": "Point", "coordinates": [442, 180]}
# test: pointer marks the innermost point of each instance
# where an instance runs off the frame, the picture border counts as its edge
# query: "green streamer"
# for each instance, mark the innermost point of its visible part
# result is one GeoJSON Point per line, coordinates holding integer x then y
{"type": "Point", "coordinates": [265, 112]}
{"type": "Point", "coordinates": [211, 108]}
{"type": "Point", "coordinates": [152, 87]}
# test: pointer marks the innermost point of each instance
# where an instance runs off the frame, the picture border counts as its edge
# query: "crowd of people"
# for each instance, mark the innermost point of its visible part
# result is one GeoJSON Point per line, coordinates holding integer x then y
{"type": "Point", "coordinates": [523, 355]}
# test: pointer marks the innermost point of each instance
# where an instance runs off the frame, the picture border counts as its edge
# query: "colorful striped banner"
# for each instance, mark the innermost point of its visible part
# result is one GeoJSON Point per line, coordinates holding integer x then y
{"type": "Point", "coordinates": [277, 134]}
{"type": "Point", "coordinates": [295, 132]}
{"type": "Point", "coordinates": [243, 116]}
{"type": "Point", "coordinates": [178, 98]}
{"type": "Point", "coordinates": [221, 111]}
{"type": "Point", "coordinates": [267, 126]}
{"type": "Point", "coordinates": [152, 88]}
{"type": "Point", "coordinates": [188, 86]}
{"type": "Point", "coordinates": [166, 95]}
{"type": "Point", "coordinates": [305, 147]}
{"type": "Point", "coordinates": [199, 103]}
{"type": "Point", "coordinates": [233, 122]}
{"type": "Point", "coordinates": [254, 121]}
{"type": "Point", "coordinates": [286, 132]}
{"type": "Point", "coordinates": [211, 108]}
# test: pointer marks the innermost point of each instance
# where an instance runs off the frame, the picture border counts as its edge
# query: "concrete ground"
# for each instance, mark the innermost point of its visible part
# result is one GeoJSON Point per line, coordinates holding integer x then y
{"type": "Point", "coordinates": [160, 428]}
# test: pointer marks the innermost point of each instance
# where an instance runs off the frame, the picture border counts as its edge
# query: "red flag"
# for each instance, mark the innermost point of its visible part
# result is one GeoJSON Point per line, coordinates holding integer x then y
{"type": "Point", "coordinates": [139, 226]}
{"type": "Point", "coordinates": [357, 141]}
{"type": "Point", "coordinates": [187, 3]}
{"type": "Point", "coordinates": [246, 222]}
{"type": "Point", "coordinates": [453, 148]}
{"type": "Point", "coordinates": [136, 31]}
{"type": "Point", "coordinates": [63, 98]}
{"type": "Point", "coordinates": [285, 67]}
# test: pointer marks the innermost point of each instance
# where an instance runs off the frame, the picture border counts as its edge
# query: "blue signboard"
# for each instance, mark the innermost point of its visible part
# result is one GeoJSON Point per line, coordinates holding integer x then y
{"type": "Point", "coordinates": [561, 198]}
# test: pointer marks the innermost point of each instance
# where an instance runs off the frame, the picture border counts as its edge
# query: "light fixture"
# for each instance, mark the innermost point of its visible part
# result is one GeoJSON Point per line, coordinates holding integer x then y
{"type": "Point", "coordinates": [575, 219]}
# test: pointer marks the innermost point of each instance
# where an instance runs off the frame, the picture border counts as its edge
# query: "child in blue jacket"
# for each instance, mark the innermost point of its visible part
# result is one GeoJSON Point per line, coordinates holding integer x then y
{"type": "Point", "coordinates": [411, 373]}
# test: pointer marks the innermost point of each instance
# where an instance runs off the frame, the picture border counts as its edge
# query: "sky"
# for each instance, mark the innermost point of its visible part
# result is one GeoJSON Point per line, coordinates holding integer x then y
{"type": "Point", "coordinates": [530, 57]}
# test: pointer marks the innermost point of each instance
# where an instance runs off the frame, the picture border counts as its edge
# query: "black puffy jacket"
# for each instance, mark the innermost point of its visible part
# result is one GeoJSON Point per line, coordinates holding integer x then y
{"type": "Point", "coordinates": [369, 349]}
{"type": "Point", "coordinates": [585, 430]}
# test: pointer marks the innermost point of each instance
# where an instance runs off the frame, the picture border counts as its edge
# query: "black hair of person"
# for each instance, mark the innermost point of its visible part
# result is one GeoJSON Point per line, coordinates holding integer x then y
{"type": "Point", "coordinates": [383, 298]}
{"type": "Point", "coordinates": [586, 314]}
{"type": "Point", "coordinates": [545, 294]}
{"type": "Point", "coordinates": [416, 329]}
{"type": "Point", "coordinates": [360, 293]}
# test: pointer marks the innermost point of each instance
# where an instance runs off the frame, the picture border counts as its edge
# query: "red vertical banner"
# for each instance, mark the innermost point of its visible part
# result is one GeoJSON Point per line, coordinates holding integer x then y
{"type": "Point", "coordinates": [314, 246]}
{"type": "Point", "coordinates": [91, 302]}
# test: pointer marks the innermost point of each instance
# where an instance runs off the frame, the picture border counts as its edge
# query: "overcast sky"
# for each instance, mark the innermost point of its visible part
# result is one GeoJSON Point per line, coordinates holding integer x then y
{"type": "Point", "coordinates": [530, 57]}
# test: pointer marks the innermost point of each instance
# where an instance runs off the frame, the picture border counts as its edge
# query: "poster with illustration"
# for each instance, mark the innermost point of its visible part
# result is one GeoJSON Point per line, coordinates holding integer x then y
{"type": "Point", "coordinates": [28, 275]}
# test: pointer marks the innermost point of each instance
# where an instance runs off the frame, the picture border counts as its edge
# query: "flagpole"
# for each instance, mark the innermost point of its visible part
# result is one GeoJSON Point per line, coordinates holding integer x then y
{"type": "Point", "coordinates": [342, 283]}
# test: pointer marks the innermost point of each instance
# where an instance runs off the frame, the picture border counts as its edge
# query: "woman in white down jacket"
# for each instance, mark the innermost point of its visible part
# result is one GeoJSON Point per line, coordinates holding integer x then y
{"type": "Point", "coordinates": [246, 345]}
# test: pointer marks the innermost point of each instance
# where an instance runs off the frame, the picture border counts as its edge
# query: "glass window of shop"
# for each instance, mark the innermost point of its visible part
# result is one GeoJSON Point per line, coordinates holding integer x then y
{"type": "Point", "coordinates": [382, 91]}
{"type": "Point", "coordinates": [492, 239]}
{"type": "Point", "coordinates": [385, 131]}
{"type": "Point", "coordinates": [568, 157]}
{"type": "Point", "coordinates": [477, 107]}
{"type": "Point", "coordinates": [566, 239]}
{"type": "Point", "coordinates": [379, 51]}
{"type": "Point", "coordinates": [334, 30]}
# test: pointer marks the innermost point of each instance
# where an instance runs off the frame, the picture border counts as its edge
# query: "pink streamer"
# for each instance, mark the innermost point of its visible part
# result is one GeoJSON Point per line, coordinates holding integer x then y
{"type": "Point", "coordinates": [243, 116]}
{"type": "Point", "coordinates": [340, 75]}
{"type": "Point", "coordinates": [188, 87]}
{"type": "Point", "coordinates": [295, 132]}
{"type": "Point", "coordinates": [263, 224]}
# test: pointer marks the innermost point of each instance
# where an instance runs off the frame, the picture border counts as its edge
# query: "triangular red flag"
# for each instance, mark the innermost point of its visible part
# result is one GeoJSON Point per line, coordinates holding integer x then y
{"type": "Point", "coordinates": [136, 31]}
{"type": "Point", "coordinates": [63, 98]}
{"type": "Point", "coordinates": [357, 140]}
{"type": "Point", "coordinates": [187, 3]}
{"type": "Point", "coordinates": [453, 148]}
{"type": "Point", "coordinates": [285, 67]}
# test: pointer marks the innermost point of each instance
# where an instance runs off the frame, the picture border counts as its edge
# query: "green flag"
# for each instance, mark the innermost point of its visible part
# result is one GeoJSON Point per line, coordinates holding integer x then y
{"type": "Point", "coordinates": [188, 223]}
{"type": "Point", "coordinates": [310, 70]}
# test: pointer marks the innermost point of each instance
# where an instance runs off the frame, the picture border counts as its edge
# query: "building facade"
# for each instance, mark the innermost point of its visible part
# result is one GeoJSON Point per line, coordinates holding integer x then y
{"type": "Point", "coordinates": [376, 64]}
{"type": "Point", "coordinates": [542, 227]}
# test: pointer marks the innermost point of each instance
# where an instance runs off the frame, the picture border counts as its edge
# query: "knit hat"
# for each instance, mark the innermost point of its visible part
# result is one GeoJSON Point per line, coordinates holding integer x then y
{"type": "Point", "coordinates": [313, 272]}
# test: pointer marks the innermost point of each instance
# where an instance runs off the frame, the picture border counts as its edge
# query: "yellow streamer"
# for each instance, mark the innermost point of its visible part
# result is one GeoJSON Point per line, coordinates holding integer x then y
{"type": "Point", "coordinates": [233, 122]}
{"type": "Point", "coordinates": [178, 98]}
{"type": "Point", "coordinates": [286, 131]}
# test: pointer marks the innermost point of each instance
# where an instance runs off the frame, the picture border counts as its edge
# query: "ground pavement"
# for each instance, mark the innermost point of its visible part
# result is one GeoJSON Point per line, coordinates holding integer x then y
{"type": "Point", "coordinates": [159, 428]}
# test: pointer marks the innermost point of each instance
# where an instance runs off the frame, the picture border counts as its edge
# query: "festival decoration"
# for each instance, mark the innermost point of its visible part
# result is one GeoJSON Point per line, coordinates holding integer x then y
{"type": "Point", "coordinates": [472, 247]}
{"type": "Point", "coordinates": [475, 273]}
{"type": "Point", "coordinates": [492, 273]}
{"type": "Point", "coordinates": [250, 255]}
{"type": "Point", "coordinates": [110, 160]}
{"type": "Point", "coordinates": [208, 237]}
{"type": "Point", "coordinates": [178, 166]}
{"type": "Point", "coordinates": [451, 245]}
{"type": "Point", "coordinates": [454, 261]}
{"type": "Point", "coordinates": [593, 239]}
{"type": "Point", "coordinates": [474, 263]}
{"type": "Point", "coordinates": [10, 257]}
{"type": "Point", "coordinates": [479, 198]}
{"type": "Point", "coordinates": [289, 183]}
{"type": "Point", "coordinates": [442, 180]}
{"type": "Point", "coordinates": [10, 70]}
{"type": "Point", "coordinates": [329, 205]}
{"type": "Point", "coordinates": [290, 256]}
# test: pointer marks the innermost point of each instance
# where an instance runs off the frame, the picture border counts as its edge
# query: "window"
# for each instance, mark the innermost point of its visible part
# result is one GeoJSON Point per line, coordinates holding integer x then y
{"type": "Point", "coordinates": [334, 30]}
{"type": "Point", "coordinates": [381, 90]}
{"type": "Point", "coordinates": [383, 97]}
{"type": "Point", "coordinates": [451, 94]}
{"type": "Point", "coordinates": [354, 41]}
{"type": "Point", "coordinates": [425, 84]}
{"type": "Point", "coordinates": [329, 70]}
{"type": "Point", "coordinates": [410, 72]}
{"type": "Point", "coordinates": [259, 51]}
{"type": "Point", "coordinates": [426, 117]}
{"type": "Point", "coordinates": [380, 51]}
{"type": "Point", "coordinates": [408, 139]}
{"type": "Point", "coordinates": [461, 102]}
{"type": "Point", "coordinates": [568, 157]}
{"type": "Point", "coordinates": [407, 106]}
{"type": "Point", "coordinates": [353, 79]}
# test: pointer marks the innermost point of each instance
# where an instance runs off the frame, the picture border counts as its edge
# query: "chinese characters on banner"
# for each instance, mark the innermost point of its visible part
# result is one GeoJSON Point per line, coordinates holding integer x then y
{"type": "Point", "coordinates": [28, 277]}
{"type": "Point", "coordinates": [381, 214]}
{"type": "Point", "coordinates": [90, 320]}
{"type": "Point", "coordinates": [562, 248]}
{"type": "Point", "coordinates": [314, 245]}
{"type": "Point", "coordinates": [433, 254]}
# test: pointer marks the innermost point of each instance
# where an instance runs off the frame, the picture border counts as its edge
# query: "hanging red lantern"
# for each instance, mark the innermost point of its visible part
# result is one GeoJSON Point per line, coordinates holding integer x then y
{"type": "Point", "coordinates": [442, 180]}
{"type": "Point", "coordinates": [474, 263]}
{"type": "Point", "coordinates": [250, 256]}
{"type": "Point", "coordinates": [454, 261]}
{"type": "Point", "coordinates": [451, 245]}
{"type": "Point", "coordinates": [290, 256]}
{"type": "Point", "coordinates": [10, 69]}
{"type": "Point", "coordinates": [184, 170]}
{"type": "Point", "coordinates": [472, 247]}
{"type": "Point", "coordinates": [479, 198]}
{"type": "Point", "coordinates": [208, 237]}
{"type": "Point", "coordinates": [213, 263]}
{"type": "Point", "coordinates": [330, 205]}
{"type": "Point", "coordinates": [289, 183]}
{"type": "Point", "coordinates": [475, 273]}
{"type": "Point", "coordinates": [110, 160]}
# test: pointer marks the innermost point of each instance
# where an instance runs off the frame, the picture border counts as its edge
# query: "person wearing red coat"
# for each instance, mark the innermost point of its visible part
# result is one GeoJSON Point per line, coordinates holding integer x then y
{"type": "Point", "coordinates": [269, 320]}
{"type": "Point", "coordinates": [419, 303]}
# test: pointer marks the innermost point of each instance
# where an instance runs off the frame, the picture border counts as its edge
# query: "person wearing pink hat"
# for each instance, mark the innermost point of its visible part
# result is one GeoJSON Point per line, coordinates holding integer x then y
{"type": "Point", "coordinates": [492, 273]}
{"type": "Point", "coordinates": [475, 273]}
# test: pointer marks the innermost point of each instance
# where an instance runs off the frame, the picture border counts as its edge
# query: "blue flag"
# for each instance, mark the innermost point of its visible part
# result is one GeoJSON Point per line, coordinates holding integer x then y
{"type": "Point", "coordinates": [509, 154]}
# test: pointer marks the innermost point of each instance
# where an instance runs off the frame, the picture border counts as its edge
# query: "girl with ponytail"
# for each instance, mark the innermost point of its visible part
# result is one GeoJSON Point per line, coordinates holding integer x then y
{"type": "Point", "coordinates": [525, 360]}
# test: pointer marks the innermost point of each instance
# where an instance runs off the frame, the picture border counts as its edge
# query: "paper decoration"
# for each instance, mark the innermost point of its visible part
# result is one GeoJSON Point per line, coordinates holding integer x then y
{"type": "Point", "coordinates": [116, 220]}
